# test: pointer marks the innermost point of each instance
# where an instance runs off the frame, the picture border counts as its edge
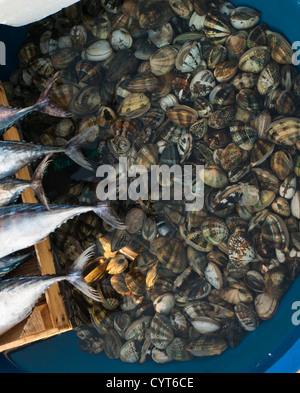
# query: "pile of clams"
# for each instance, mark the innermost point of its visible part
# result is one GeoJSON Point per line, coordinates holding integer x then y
{"type": "Point", "coordinates": [186, 82]}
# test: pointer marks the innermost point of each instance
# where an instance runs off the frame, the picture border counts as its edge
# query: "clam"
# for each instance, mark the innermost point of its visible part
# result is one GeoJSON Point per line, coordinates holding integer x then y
{"type": "Point", "coordinates": [205, 325]}
{"type": "Point", "coordinates": [121, 39]}
{"type": "Point", "coordinates": [275, 232]}
{"type": "Point", "coordinates": [86, 101]}
{"type": "Point", "coordinates": [236, 44]}
{"type": "Point", "coordinates": [231, 157]}
{"type": "Point", "coordinates": [236, 293]}
{"type": "Point", "coordinates": [164, 303]}
{"type": "Point", "coordinates": [255, 281]}
{"type": "Point", "coordinates": [295, 205]}
{"type": "Point", "coordinates": [152, 14]}
{"type": "Point", "coordinates": [255, 59]}
{"type": "Point", "coordinates": [217, 55]}
{"type": "Point", "coordinates": [163, 60]}
{"type": "Point", "coordinates": [245, 80]}
{"type": "Point", "coordinates": [121, 322]}
{"type": "Point", "coordinates": [112, 345]}
{"type": "Point", "coordinates": [240, 248]}
{"type": "Point", "coordinates": [216, 28]}
{"type": "Point", "coordinates": [162, 35]}
{"type": "Point", "coordinates": [189, 56]}
{"type": "Point", "coordinates": [130, 352]}
{"type": "Point", "coordinates": [214, 230]}
{"type": "Point", "coordinates": [248, 100]}
{"type": "Point", "coordinates": [171, 253]}
{"type": "Point", "coordinates": [179, 322]}
{"type": "Point", "coordinates": [161, 331]}
{"type": "Point", "coordinates": [222, 94]}
{"type": "Point", "coordinates": [134, 220]}
{"type": "Point", "coordinates": [206, 346]}
{"type": "Point", "coordinates": [135, 105]}
{"type": "Point", "coordinates": [182, 8]}
{"type": "Point", "coordinates": [182, 115]}
{"type": "Point", "coordinates": [214, 276]}
{"type": "Point", "coordinates": [137, 330]}
{"type": "Point", "coordinates": [247, 317]}
{"type": "Point", "coordinates": [284, 132]}
{"type": "Point", "coordinates": [288, 187]}
{"type": "Point", "coordinates": [257, 37]}
{"type": "Point", "coordinates": [213, 176]}
{"type": "Point", "coordinates": [281, 164]}
{"type": "Point", "coordinates": [244, 18]}
{"type": "Point", "coordinates": [265, 306]}
{"type": "Point", "coordinates": [243, 135]}
{"type": "Point", "coordinates": [281, 50]}
{"type": "Point", "coordinates": [202, 84]}
{"type": "Point", "coordinates": [269, 78]}
{"type": "Point", "coordinates": [176, 350]}
{"type": "Point", "coordinates": [117, 265]}
{"type": "Point", "coordinates": [135, 282]}
{"type": "Point", "coordinates": [160, 356]}
{"type": "Point", "coordinates": [98, 51]}
{"type": "Point", "coordinates": [225, 71]}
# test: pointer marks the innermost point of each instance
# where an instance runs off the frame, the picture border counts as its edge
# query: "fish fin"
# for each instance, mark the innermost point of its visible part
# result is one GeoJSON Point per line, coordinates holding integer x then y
{"type": "Point", "coordinates": [72, 148]}
{"type": "Point", "coordinates": [37, 179]}
{"type": "Point", "coordinates": [75, 275]}
{"type": "Point", "coordinates": [44, 105]}
{"type": "Point", "coordinates": [104, 211]}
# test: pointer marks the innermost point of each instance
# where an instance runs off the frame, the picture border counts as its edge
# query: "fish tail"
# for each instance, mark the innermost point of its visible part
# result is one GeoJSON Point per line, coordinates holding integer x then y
{"type": "Point", "coordinates": [44, 105]}
{"type": "Point", "coordinates": [37, 181]}
{"type": "Point", "coordinates": [104, 211]}
{"type": "Point", "coordinates": [76, 278]}
{"type": "Point", "coordinates": [73, 147]}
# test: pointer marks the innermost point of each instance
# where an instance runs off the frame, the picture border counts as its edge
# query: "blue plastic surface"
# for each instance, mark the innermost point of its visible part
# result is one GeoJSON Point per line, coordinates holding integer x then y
{"type": "Point", "coordinates": [273, 348]}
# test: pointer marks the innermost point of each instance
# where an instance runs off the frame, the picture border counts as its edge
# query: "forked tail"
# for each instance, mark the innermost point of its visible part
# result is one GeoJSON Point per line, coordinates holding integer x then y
{"type": "Point", "coordinates": [37, 181]}
{"type": "Point", "coordinates": [44, 104]}
{"type": "Point", "coordinates": [76, 278]}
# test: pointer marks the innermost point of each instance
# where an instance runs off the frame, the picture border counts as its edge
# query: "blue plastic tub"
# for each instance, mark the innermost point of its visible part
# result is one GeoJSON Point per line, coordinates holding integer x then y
{"type": "Point", "coordinates": [273, 347]}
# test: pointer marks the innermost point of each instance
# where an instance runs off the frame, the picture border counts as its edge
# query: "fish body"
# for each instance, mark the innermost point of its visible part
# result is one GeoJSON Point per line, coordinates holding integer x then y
{"type": "Point", "coordinates": [10, 116]}
{"type": "Point", "coordinates": [11, 262]}
{"type": "Point", "coordinates": [24, 225]}
{"type": "Point", "coordinates": [18, 296]}
{"type": "Point", "coordinates": [12, 188]}
{"type": "Point", "coordinates": [15, 155]}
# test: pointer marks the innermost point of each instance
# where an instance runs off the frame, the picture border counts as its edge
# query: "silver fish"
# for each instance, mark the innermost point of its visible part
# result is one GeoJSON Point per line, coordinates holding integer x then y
{"type": "Point", "coordinates": [16, 155]}
{"type": "Point", "coordinates": [18, 296]}
{"type": "Point", "coordinates": [22, 226]}
{"type": "Point", "coordinates": [12, 188]}
{"type": "Point", "coordinates": [11, 262]}
{"type": "Point", "coordinates": [10, 116]}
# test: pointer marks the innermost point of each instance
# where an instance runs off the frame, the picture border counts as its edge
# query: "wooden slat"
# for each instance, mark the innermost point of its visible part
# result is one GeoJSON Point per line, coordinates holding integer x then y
{"type": "Point", "coordinates": [57, 310]}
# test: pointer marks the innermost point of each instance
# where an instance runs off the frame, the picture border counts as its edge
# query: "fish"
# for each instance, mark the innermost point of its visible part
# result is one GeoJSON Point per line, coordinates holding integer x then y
{"type": "Point", "coordinates": [18, 296]}
{"type": "Point", "coordinates": [15, 155]}
{"type": "Point", "coordinates": [12, 188]}
{"type": "Point", "coordinates": [24, 225]}
{"type": "Point", "coordinates": [11, 262]}
{"type": "Point", "coordinates": [10, 116]}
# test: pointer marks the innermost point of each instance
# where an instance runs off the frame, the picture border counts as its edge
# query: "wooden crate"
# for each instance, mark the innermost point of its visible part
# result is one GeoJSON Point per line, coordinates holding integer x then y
{"type": "Point", "coordinates": [50, 316]}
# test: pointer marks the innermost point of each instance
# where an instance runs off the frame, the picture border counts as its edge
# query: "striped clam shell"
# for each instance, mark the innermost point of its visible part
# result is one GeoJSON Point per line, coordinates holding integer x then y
{"type": "Point", "coordinates": [134, 105]}
{"type": "Point", "coordinates": [171, 253]}
{"type": "Point", "coordinates": [223, 94]}
{"type": "Point", "coordinates": [257, 36]}
{"type": "Point", "coordinates": [207, 345]}
{"type": "Point", "coordinates": [202, 84]}
{"type": "Point", "coordinates": [247, 317]}
{"type": "Point", "coordinates": [182, 115]}
{"type": "Point", "coordinates": [143, 82]}
{"type": "Point", "coordinates": [285, 103]}
{"type": "Point", "coordinates": [240, 249]}
{"type": "Point", "coordinates": [215, 230]}
{"type": "Point", "coordinates": [161, 331]}
{"type": "Point", "coordinates": [248, 100]}
{"type": "Point", "coordinates": [281, 50]}
{"type": "Point", "coordinates": [189, 56]}
{"type": "Point", "coordinates": [163, 60]}
{"type": "Point", "coordinates": [282, 164]}
{"type": "Point", "coordinates": [285, 131]}
{"type": "Point", "coordinates": [274, 231]}
{"type": "Point", "coordinates": [243, 135]}
{"type": "Point", "coordinates": [245, 80]}
{"type": "Point", "coordinates": [269, 78]}
{"type": "Point", "coordinates": [222, 117]}
{"type": "Point", "coordinates": [244, 18]}
{"type": "Point", "coordinates": [255, 59]}
{"type": "Point", "coordinates": [216, 28]}
{"type": "Point", "coordinates": [203, 107]}
{"type": "Point", "coordinates": [217, 55]}
{"type": "Point", "coordinates": [236, 44]}
{"type": "Point", "coordinates": [225, 71]}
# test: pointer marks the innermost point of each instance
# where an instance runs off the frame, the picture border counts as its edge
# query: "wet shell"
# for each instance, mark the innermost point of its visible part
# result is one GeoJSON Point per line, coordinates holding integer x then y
{"type": "Point", "coordinates": [245, 80]}
{"type": "Point", "coordinates": [247, 317]}
{"type": "Point", "coordinates": [243, 135]}
{"type": "Point", "coordinates": [205, 325]}
{"type": "Point", "coordinates": [285, 131]}
{"type": "Point", "coordinates": [137, 329]}
{"type": "Point", "coordinates": [182, 115]}
{"type": "Point", "coordinates": [240, 249]}
{"type": "Point", "coordinates": [217, 55]}
{"type": "Point", "coordinates": [214, 230]}
{"type": "Point", "coordinates": [248, 100]}
{"type": "Point", "coordinates": [216, 28]}
{"type": "Point", "coordinates": [257, 36]}
{"type": "Point", "coordinates": [182, 8]}
{"type": "Point", "coordinates": [202, 84]}
{"type": "Point", "coordinates": [223, 94]}
{"type": "Point", "coordinates": [147, 156]}
{"type": "Point", "coordinates": [130, 352]}
{"type": "Point", "coordinates": [288, 187]}
{"type": "Point", "coordinates": [153, 13]}
{"type": "Point", "coordinates": [213, 176]}
{"type": "Point", "coordinates": [275, 232]}
{"type": "Point", "coordinates": [236, 44]}
{"type": "Point", "coordinates": [160, 356]}
{"type": "Point", "coordinates": [161, 36]}
{"type": "Point", "coordinates": [121, 39]}
{"type": "Point", "coordinates": [236, 293]}
{"type": "Point", "coordinates": [221, 118]}
{"type": "Point", "coordinates": [281, 164]}
{"type": "Point", "coordinates": [135, 105]}
{"type": "Point", "coordinates": [225, 71]}
{"type": "Point", "coordinates": [86, 102]}
{"type": "Point", "coordinates": [161, 331]}
{"type": "Point", "coordinates": [171, 253]}
{"type": "Point", "coordinates": [269, 78]}
{"type": "Point", "coordinates": [281, 50]}
{"type": "Point", "coordinates": [135, 282]}
{"type": "Point", "coordinates": [207, 346]}
{"type": "Point", "coordinates": [99, 51]}
{"type": "Point", "coordinates": [164, 303]}
{"type": "Point", "coordinates": [214, 275]}
{"type": "Point", "coordinates": [189, 56]}
{"type": "Point", "coordinates": [117, 265]}
{"type": "Point", "coordinates": [255, 59]}
{"type": "Point", "coordinates": [244, 18]}
{"type": "Point", "coordinates": [231, 157]}
{"type": "Point", "coordinates": [295, 205]}
{"type": "Point", "coordinates": [163, 61]}
{"type": "Point", "coordinates": [135, 220]}
{"type": "Point", "coordinates": [265, 306]}
{"type": "Point", "coordinates": [43, 66]}
{"type": "Point", "coordinates": [176, 350]}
